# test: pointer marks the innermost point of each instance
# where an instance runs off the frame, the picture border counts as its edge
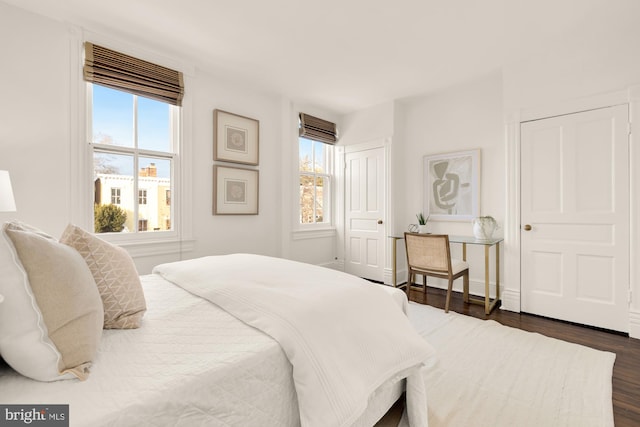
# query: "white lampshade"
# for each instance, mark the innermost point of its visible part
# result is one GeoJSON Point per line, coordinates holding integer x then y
{"type": "Point", "coordinates": [7, 203]}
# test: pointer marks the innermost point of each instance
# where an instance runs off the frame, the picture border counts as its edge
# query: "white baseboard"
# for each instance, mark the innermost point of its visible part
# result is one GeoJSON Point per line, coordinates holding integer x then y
{"type": "Point", "coordinates": [401, 276]}
{"type": "Point", "coordinates": [634, 324]}
{"type": "Point", "coordinates": [511, 300]}
{"type": "Point", "coordinates": [334, 265]}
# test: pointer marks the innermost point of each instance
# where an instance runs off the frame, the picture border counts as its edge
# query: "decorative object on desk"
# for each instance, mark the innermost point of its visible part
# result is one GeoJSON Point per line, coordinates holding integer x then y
{"type": "Point", "coordinates": [7, 202]}
{"type": "Point", "coordinates": [422, 223]}
{"type": "Point", "coordinates": [235, 191]}
{"type": "Point", "coordinates": [235, 138]}
{"type": "Point", "coordinates": [452, 185]}
{"type": "Point", "coordinates": [483, 227]}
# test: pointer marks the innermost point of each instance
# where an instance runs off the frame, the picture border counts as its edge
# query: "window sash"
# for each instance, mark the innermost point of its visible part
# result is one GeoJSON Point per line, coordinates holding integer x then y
{"type": "Point", "coordinates": [136, 153]}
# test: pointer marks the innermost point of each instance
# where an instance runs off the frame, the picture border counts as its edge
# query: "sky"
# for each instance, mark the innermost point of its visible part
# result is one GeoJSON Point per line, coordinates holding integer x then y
{"type": "Point", "coordinates": [306, 147]}
{"type": "Point", "coordinates": [113, 123]}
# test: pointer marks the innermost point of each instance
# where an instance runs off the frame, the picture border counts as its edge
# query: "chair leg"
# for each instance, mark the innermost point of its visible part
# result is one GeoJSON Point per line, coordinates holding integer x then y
{"type": "Point", "coordinates": [465, 287]}
{"type": "Point", "coordinates": [424, 284]}
{"type": "Point", "coordinates": [449, 289]}
{"type": "Point", "coordinates": [409, 285]}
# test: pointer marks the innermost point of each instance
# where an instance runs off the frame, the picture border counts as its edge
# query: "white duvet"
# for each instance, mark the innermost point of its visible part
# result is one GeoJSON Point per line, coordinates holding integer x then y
{"type": "Point", "coordinates": [344, 336]}
{"type": "Point", "coordinates": [190, 364]}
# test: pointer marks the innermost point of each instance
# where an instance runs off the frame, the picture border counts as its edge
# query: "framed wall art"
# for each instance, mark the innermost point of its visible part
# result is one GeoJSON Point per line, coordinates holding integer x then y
{"type": "Point", "coordinates": [452, 185]}
{"type": "Point", "coordinates": [235, 138]}
{"type": "Point", "coordinates": [235, 191]}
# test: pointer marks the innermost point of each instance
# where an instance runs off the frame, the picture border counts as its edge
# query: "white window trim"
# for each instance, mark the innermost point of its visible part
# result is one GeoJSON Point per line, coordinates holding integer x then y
{"type": "Point", "coordinates": [176, 241]}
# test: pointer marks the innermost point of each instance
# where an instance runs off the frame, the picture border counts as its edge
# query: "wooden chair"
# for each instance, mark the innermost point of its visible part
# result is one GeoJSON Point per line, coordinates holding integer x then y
{"type": "Point", "coordinates": [430, 255]}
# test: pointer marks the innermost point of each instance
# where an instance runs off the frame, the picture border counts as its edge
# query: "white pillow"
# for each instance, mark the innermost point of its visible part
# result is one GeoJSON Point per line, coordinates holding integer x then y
{"type": "Point", "coordinates": [25, 342]}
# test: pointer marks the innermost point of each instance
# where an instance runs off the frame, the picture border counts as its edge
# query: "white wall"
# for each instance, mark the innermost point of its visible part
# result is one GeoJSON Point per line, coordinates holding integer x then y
{"type": "Point", "coordinates": [218, 234]}
{"type": "Point", "coordinates": [597, 55]}
{"type": "Point", "coordinates": [40, 126]}
{"type": "Point", "coordinates": [35, 130]}
{"type": "Point", "coordinates": [464, 117]}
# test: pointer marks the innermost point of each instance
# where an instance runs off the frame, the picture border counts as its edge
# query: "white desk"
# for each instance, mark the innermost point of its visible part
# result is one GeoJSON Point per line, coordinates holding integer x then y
{"type": "Point", "coordinates": [468, 240]}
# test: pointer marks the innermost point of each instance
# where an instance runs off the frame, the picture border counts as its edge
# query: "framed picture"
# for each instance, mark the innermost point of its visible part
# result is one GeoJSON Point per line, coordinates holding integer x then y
{"type": "Point", "coordinates": [452, 185]}
{"type": "Point", "coordinates": [235, 191]}
{"type": "Point", "coordinates": [235, 138]}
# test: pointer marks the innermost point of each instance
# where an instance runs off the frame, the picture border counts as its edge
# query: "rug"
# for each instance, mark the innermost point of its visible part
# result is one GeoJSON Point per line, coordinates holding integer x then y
{"type": "Point", "coordinates": [490, 375]}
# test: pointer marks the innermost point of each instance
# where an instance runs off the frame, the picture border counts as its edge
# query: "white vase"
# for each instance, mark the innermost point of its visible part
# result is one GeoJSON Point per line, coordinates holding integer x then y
{"type": "Point", "coordinates": [422, 229]}
{"type": "Point", "coordinates": [483, 227]}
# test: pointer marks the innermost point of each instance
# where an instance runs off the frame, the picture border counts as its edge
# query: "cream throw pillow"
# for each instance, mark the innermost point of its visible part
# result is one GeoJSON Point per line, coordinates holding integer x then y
{"type": "Point", "coordinates": [116, 276]}
{"type": "Point", "coordinates": [66, 297]}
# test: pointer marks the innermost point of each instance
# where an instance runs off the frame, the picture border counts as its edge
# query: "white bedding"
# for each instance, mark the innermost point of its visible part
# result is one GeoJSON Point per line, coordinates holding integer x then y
{"type": "Point", "coordinates": [344, 336]}
{"type": "Point", "coordinates": [189, 364]}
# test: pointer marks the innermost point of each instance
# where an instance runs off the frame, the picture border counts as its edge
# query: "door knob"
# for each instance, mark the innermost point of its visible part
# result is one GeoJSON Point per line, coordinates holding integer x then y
{"type": "Point", "coordinates": [527, 227]}
{"type": "Point", "coordinates": [379, 221]}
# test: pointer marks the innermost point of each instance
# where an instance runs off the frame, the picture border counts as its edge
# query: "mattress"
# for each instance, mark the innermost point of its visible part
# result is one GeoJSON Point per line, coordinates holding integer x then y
{"type": "Point", "coordinates": [189, 364]}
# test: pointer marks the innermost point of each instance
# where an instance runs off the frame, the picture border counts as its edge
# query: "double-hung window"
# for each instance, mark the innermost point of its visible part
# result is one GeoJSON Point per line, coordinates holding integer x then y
{"type": "Point", "coordinates": [133, 134]}
{"type": "Point", "coordinates": [133, 151]}
{"type": "Point", "coordinates": [315, 170]}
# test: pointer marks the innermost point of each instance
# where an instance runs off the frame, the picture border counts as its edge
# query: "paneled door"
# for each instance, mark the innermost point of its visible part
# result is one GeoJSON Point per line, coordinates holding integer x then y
{"type": "Point", "coordinates": [364, 213]}
{"type": "Point", "coordinates": [575, 217]}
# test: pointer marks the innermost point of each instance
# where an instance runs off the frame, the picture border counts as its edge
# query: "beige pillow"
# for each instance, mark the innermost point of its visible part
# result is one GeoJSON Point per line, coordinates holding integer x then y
{"type": "Point", "coordinates": [66, 296]}
{"type": "Point", "coordinates": [116, 276]}
{"type": "Point", "coordinates": [24, 340]}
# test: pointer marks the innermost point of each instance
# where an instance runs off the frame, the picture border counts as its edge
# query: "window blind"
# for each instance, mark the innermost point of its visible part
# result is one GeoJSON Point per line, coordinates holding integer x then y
{"type": "Point", "coordinates": [317, 129]}
{"type": "Point", "coordinates": [129, 74]}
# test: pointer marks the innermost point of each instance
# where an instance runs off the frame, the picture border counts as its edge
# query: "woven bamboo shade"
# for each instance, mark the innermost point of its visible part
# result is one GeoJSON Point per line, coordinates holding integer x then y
{"type": "Point", "coordinates": [116, 70]}
{"type": "Point", "coordinates": [318, 129]}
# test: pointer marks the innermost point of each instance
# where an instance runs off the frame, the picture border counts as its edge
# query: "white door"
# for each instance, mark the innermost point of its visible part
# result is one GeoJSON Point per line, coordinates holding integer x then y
{"type": "Point", "coordinates": [364, 213]}
{"type": "Point", "coordinates": [575, 217]}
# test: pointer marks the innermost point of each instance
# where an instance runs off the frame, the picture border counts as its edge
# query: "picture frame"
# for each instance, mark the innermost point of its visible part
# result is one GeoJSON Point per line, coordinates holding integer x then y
{"type": "Point", "coordinates": [452, 185]}
{"type": "Point", "coordinates": [235, 138]}
{"type": "Point", "coordinates": [235, 191]}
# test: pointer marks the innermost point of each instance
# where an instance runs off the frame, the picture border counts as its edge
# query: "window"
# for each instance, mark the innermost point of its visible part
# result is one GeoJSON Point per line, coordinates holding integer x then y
{"type": "Point", "coordinates": [315, 171]}
{"type": "Point", "coordinates": [167, 197]}
{"type": "Point", "coordinates": [132, 144]}
{"type": "Point", "coordinates": [115, 196]}
{"type": "Point", "coordinates": [133, 128]}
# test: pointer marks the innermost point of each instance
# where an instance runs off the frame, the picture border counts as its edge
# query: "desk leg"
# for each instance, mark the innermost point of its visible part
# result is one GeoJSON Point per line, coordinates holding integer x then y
{"type": "Point", "coordinates": [394, 265]}
{"type": "Point", "coordinates": [487, 297]}
{"type": "Point", "coordinates": [465, 291]}
{"type": "Point", "coordinates": [498, 271]}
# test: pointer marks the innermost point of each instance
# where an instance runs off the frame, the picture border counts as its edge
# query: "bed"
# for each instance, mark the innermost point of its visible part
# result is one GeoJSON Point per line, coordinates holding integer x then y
{"type": "Point", "coordinates": [193, 363]}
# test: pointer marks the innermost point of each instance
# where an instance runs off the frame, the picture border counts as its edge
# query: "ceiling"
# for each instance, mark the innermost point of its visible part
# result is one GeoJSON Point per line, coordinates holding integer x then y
{"type": "Point", "coordinates": [343, 55]}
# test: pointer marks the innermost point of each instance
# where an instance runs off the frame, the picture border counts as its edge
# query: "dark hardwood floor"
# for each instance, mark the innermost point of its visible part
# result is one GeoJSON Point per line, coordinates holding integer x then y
{"type": "Point", "coordinates": [626, 371]}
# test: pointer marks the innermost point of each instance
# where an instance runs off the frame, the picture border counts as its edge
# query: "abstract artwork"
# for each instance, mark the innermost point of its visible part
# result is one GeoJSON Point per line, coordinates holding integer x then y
{"type": "Point", "coordinates": [452, 185]}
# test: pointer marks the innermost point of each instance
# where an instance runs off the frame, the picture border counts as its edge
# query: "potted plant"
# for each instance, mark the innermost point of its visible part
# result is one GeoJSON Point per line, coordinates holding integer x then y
{"type": "Point", "coordinates": [422, 223]}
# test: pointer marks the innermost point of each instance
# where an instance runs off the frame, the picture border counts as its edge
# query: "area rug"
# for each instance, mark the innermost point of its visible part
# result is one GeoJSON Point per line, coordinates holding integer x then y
{"type": "Point", "coordinates": [490, 375]}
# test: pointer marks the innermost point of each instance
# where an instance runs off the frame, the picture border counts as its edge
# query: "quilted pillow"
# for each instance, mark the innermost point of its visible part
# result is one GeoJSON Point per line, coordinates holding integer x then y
{"type": "Point", "coordinates": [51, 319]}
{"type": "Point", "coordinates": [116, 276]}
